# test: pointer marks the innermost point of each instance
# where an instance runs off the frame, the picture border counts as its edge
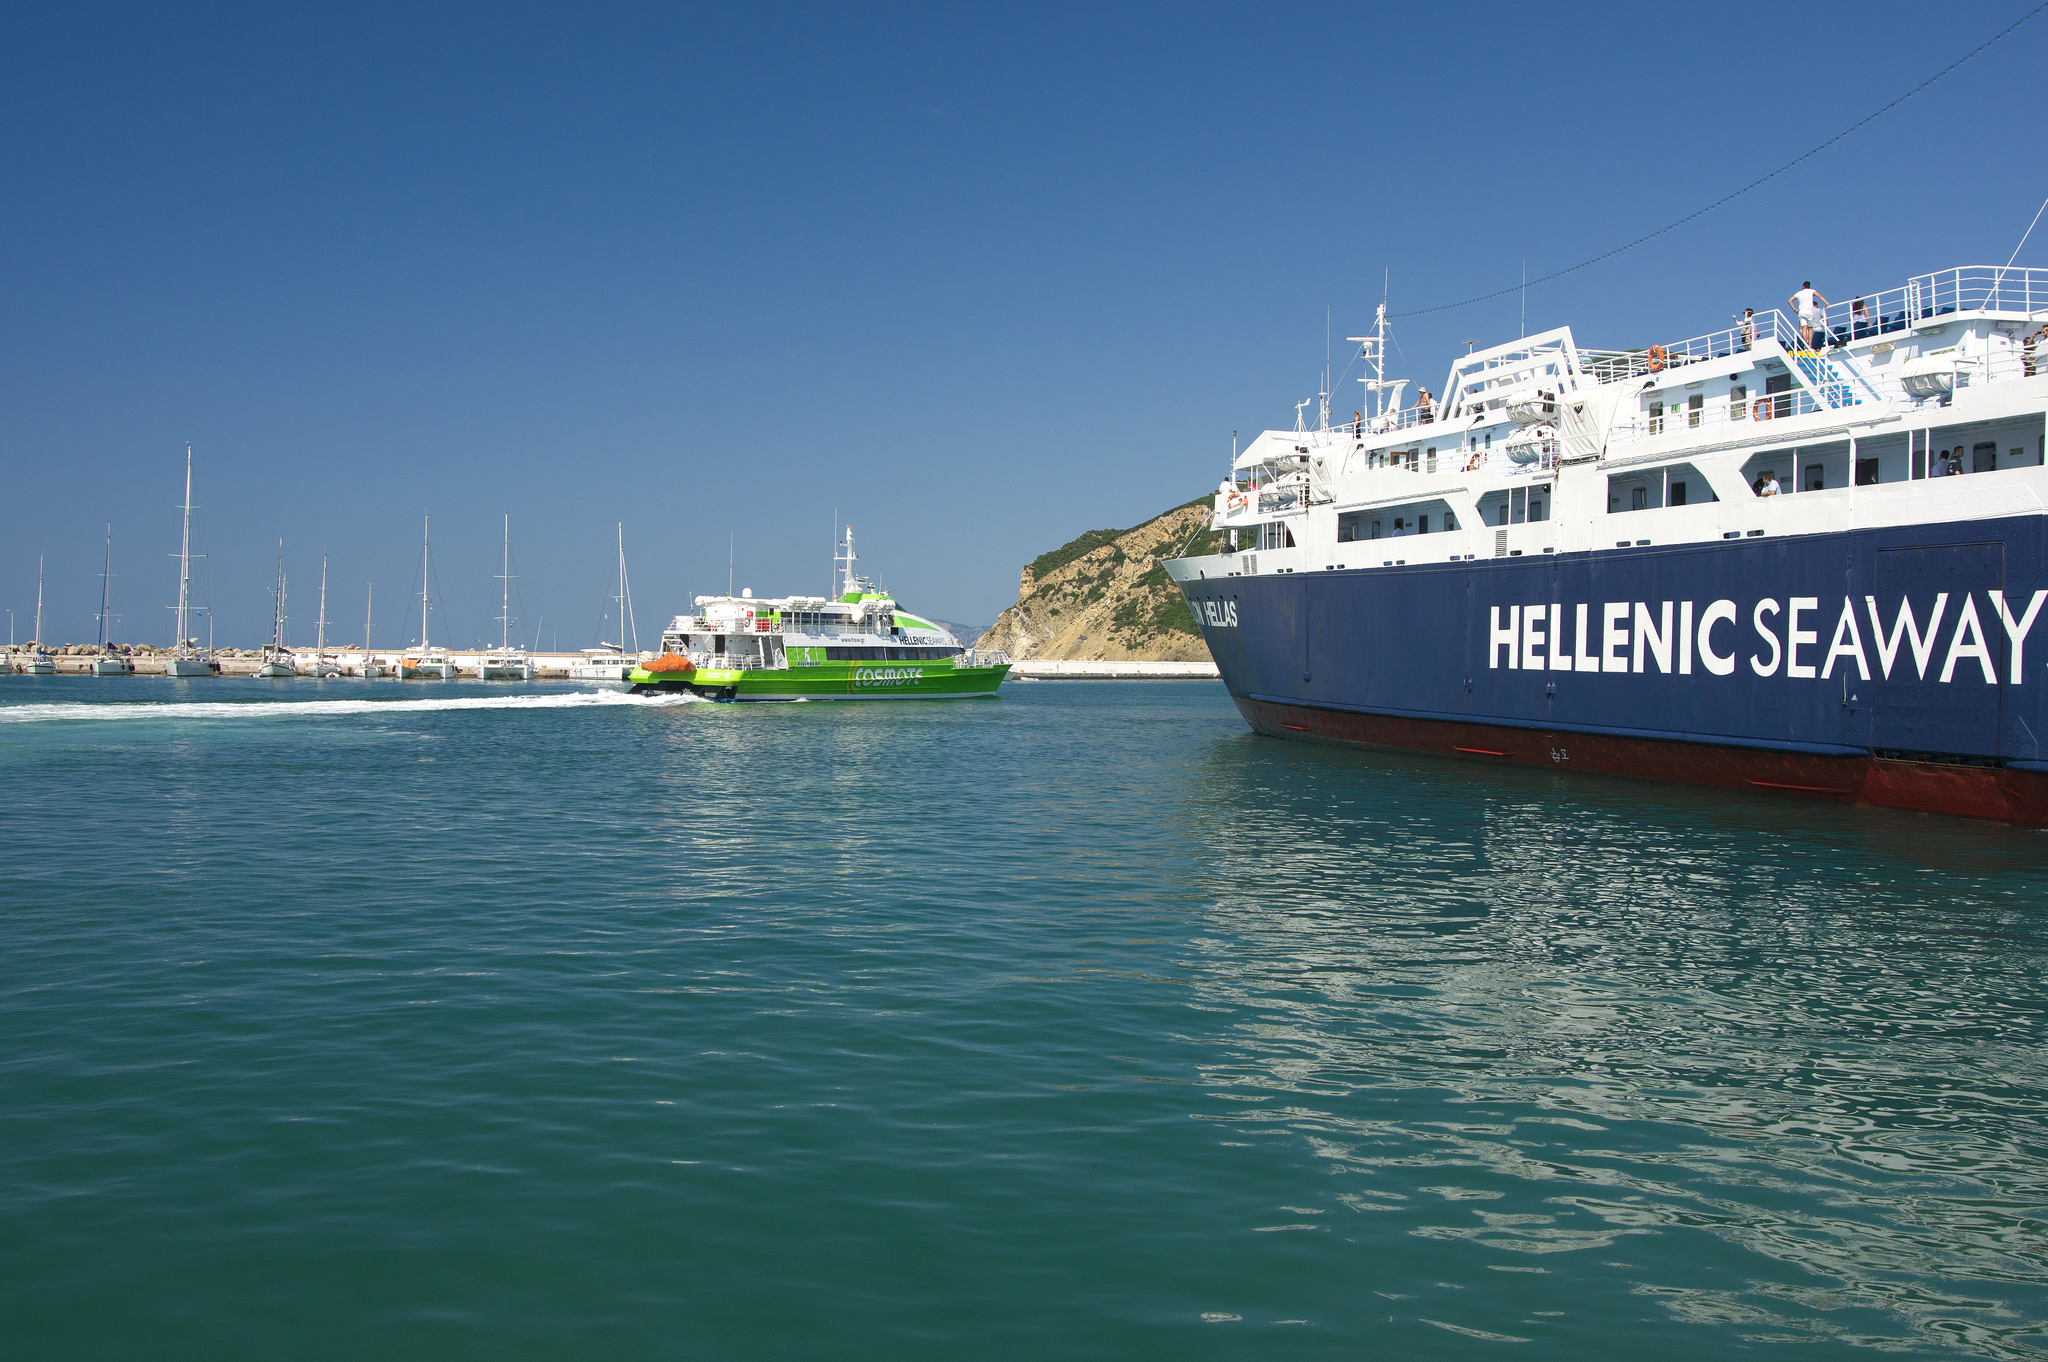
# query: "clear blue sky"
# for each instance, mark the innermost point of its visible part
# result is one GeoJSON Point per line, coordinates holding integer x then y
{"type": "Point", "coordinates": [979, 278]}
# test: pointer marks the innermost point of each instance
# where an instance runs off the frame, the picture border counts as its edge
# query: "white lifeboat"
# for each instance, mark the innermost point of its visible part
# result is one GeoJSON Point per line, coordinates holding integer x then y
{"type": "Point", "coordinates": [1532, 407]}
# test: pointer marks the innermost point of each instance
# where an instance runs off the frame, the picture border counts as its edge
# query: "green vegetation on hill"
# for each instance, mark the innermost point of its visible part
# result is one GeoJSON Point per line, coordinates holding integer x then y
{"type": "Point", "coordinates": [1055, 559]}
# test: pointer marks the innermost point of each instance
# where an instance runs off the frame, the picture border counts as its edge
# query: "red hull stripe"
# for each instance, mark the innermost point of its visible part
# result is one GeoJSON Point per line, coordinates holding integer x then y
{"type": "Point", "coordinates": [2008, 794]}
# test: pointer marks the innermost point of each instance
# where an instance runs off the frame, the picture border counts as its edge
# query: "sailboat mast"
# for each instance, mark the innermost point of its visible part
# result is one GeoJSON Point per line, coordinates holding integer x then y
{"type": "Point", "coordinates": [185, 559]}
{"type": "Point", "coordinates": [277, 614]}
{"type": "Point", "coordinates": [625, 598]}
{"type": "Point", "coordinates": [505, 587]}
{"type": "Point", "coordinates": [369, 599]}
{"type": "Point", "coordinates": [39, 600]}
{"type": "Point", "coordinates": [320, 639]}
{"type": "Point", "coordinates": [425, 523]}
{"type": "Point", "coordinates": [105, 573]}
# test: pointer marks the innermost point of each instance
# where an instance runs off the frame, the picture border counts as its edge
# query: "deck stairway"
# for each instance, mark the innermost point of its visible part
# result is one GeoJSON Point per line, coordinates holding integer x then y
{"type": "Point", "coordinates": [1836, 382]}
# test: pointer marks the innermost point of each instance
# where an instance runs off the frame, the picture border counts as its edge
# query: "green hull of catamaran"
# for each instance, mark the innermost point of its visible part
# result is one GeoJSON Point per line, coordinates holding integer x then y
{"type": "Point", "coordinates": [935, 680]}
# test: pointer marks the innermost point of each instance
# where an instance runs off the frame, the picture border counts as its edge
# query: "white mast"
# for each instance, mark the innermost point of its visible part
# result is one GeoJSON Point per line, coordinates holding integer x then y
{"type": "Point", "coordinates": [277, 615]}
{"type": "Point", "coordinates": [185, 561]}
{"type": "Point", "coordinates": [849, 558]}
{"type": "Point", "coordinates": [369, 599]}
{"type": "Point", "coordinates": [320, 640]}
{"type": "Point", "coordinates": [625, 597]}
{"type": "Point", "coordinates": [39, 601]}
{"type": "Point", "coordinates": [505, 586]}
{"type": "Point", "coordinates": [425, 522]}
{"type": "Point", "coordinates": [106, 573]}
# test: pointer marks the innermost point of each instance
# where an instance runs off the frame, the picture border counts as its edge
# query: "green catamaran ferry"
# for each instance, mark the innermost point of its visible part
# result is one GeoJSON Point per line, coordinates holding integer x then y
{"type": "Point", "coordinates": [857, 646]}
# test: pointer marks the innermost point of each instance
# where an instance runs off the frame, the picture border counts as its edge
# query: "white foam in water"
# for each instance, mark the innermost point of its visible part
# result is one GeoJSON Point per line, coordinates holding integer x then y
{"type": "Point", "coordinates": [332, 709]}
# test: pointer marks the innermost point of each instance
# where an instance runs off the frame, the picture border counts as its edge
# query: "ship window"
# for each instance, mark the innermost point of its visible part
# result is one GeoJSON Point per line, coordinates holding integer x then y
{"type": "Point", "coordinates": [1677, 494]}
{"type": "Point", "coordinates": [1866, 472]}
{"type": "Point", "coordinates": [1816, 480]}
{"type": "Point", "coordinates": [1503, 514]}
{"type": "Point", "coordinates": [1518, 505]}
{"type": "Point", "coordinates": [1535, 509]}
{"type": "Point", "coordinates": [1656, 418]}
{"type": "Point", "coordinates": [1638, 498]}
{"type": "Point", "coordinates": [1432, 458]}
{"type": "Point", "coordinates": [1693, 408]}
{"type": "Point", "coordinates": [1738, 402]}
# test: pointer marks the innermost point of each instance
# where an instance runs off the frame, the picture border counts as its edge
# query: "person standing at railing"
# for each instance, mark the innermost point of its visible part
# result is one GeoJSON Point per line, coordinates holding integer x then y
{"type": "Point", "coordinates": [1812, 310]}
{"type": "Point", "coordinates": [1425, 406]}
{"type": "Point", "coordinates": [1746, 329]}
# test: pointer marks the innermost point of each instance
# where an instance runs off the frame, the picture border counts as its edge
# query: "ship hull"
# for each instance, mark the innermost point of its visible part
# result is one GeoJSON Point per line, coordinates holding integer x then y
{"type": "Point", "coordinates": [939, 680]}
{"type": "Point", "coordinates": [1723, 664]}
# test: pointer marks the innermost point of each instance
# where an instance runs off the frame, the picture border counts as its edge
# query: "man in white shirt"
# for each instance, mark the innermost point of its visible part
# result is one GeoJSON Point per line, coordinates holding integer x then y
{"type": "Point", "coordinates": [1767, 485]}
{"type": "Point", "coordinates": [1812, 310]}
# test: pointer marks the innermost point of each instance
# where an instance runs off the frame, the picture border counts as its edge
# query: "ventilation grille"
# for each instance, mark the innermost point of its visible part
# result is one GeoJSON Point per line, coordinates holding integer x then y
{"type": "Point", "coordinates": [1500, 543]}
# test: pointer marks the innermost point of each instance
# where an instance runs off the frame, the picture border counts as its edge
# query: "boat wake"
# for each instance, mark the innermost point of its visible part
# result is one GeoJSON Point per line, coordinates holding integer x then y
{"type": "Point", "coordinates": [332, 709]}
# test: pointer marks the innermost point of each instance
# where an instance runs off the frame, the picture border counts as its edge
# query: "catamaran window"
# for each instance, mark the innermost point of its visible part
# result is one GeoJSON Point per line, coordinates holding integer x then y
{"type": "Point", "coordinates": [888, 654]}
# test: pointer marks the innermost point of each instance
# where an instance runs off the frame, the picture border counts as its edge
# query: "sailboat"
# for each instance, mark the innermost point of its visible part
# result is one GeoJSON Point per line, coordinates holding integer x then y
{"type": "Point", "coordinates": [277, 662]}
{"type": "Point", "coordinates": [507, 663]}
{"type": "Point", "coordinates": [39, 663]}
{"type": "Point", "coordinates": [426, 660]}
{"type": "Point", "coordinates": [607, 661]}
{"type": "Point", "coordinates": [186, 658]}
{"type": "Point", "coordinates": [105, 663]}
{"type": "Point", "coordinates": [323, 665]}
{"type": "Point", "coordinates": [371, 668]}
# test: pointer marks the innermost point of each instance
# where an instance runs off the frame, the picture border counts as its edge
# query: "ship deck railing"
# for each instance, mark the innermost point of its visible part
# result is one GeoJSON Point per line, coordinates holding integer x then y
{"type": "Point", "coordinates": [981, 657]}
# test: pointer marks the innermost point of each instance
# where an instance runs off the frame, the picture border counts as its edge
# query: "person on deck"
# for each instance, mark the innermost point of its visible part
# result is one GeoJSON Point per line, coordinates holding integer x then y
{"type": "Point", "coordinates": [1812, 310]}
{"type": "Point", "coordinates": [1767, 484]}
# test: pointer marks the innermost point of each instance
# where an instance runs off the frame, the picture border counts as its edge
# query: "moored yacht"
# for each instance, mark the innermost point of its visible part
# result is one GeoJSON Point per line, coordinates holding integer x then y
{"type": "Point", "coordinates": [106, 662]}
{"type": "Point", "coordinates": [277, 660]}
{"type": "Point", "coordinates": [187, 659]}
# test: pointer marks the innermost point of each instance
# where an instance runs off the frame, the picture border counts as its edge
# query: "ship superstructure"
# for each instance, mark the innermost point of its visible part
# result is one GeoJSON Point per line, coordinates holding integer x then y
{"type": "Point", "coordinates": [1808, 559]}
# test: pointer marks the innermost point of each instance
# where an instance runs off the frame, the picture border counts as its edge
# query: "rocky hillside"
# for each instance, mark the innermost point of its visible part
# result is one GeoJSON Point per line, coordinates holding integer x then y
{"type": "Point", "coordinates": [1104, 596]}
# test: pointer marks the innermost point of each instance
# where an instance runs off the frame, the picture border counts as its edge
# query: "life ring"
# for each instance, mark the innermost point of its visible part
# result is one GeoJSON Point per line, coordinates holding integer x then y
{"type": "Point", "coordinates": [1760, 410]}
{"type": "Point", "coordinates": [1238, 501]}
{"type": "Point", "coordinates": [1472, 464]}
{"type": "Point", "coordinates": [1657, 358]}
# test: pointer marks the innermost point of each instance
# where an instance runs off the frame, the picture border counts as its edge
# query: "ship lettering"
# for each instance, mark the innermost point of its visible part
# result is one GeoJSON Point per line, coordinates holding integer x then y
{"type": "Point", "coordinates": [1219, 614]}
{"type": "Point", "coordinates": [1665, 636]}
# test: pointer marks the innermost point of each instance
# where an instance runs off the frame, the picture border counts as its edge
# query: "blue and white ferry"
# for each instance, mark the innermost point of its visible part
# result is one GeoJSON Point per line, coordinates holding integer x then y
{"type": "Point", "coordinates": [1803, 561]}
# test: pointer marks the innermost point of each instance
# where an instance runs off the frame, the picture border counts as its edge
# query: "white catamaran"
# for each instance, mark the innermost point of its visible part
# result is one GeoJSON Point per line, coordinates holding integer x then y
{"type": "Point", "coordinates": [507, 663]}
{"type": "Point", "coordinates": [426, 660]}
{"type": "Point", "coordinates": [610, 662]}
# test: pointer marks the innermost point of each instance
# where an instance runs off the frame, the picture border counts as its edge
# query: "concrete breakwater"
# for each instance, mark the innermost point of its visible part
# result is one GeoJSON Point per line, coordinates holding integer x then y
{"type": "Point", "coordinates": [76, 660]}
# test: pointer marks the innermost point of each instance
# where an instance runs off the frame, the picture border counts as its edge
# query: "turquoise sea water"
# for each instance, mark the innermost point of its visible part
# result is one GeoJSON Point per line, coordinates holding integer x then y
{"type": "Point", "coordinates": [350, 1019]}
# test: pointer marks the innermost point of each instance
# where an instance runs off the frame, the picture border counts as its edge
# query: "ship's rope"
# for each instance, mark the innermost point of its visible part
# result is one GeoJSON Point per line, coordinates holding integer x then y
{"type": "Point", "coordinates": [1753, 184]}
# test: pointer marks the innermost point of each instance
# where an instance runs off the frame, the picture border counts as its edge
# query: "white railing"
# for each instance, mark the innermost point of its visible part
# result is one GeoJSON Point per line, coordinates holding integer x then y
{"type": "Point", "coordinates": [985, 657]}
